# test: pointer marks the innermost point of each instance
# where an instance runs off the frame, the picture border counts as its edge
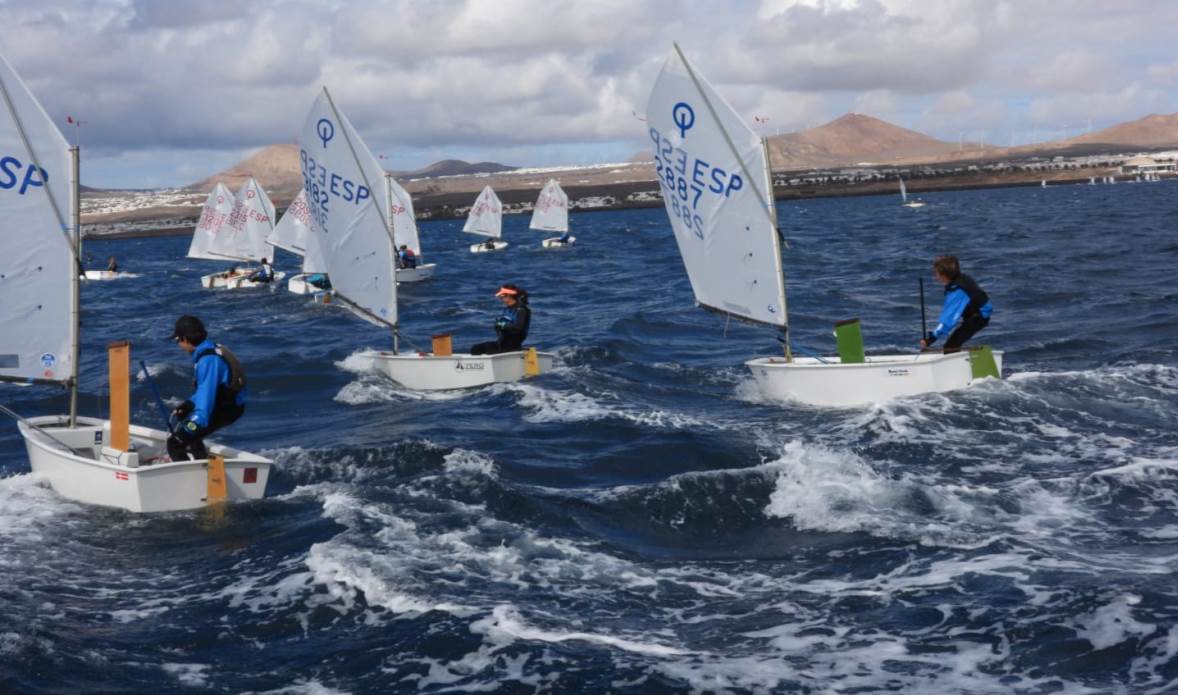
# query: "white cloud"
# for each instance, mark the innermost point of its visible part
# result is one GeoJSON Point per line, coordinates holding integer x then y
{"type": "Point", "coordinates": [472, 78]}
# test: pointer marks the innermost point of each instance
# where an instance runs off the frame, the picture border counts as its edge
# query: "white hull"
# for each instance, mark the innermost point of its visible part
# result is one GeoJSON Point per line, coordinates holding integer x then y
{"type": "Point", "coordinates": [87, 476]}
{"type": "Point", "coordinates": [432, 373]}
{"type": "Point", "coordinates": [298, 284]}
{"type": "Point", "coordinates": [424, 271]}
{"type": "Point", "coordinates": [913, 204]}
{"type": "Point", "coordinates": [481, 247]}
{"type": "Point", "coordinates": [880, 378]}
{"type": "Point", "coordinates": [236, 281]}
{"type": "Point", "coordinates": [555, 243]}
{"type": "Point", "coordinates": [108, 275]}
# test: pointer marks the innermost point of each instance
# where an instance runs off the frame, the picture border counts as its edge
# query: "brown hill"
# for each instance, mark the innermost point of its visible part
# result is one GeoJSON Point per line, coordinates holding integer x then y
{"type": "Point", "coordinates": [276, 167]}
{"type": "Point", "coordinates": [855, 138]}
{"type": "Point", "coordinates": [1155, 130]}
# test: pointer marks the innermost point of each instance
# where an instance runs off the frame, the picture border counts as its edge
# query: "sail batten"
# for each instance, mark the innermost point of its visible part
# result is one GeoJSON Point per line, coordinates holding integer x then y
{"type": "Point", "coordinates": [713, 171]}
{"type": "Point", "coordinates": [348, 216]}
{"type": "Point", "coordinates": [486, 215]}
{"type": "Point", "coordinates": [551, 213]}
{"type": "Point", "coordinates": [38, 260]}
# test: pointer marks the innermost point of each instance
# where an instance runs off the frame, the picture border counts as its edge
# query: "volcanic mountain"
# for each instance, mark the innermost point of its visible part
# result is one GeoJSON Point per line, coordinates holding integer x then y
{"type": "Point", "coordinates": [1154, 130]}
{"type": "Point", "coordinates": [855, 138]}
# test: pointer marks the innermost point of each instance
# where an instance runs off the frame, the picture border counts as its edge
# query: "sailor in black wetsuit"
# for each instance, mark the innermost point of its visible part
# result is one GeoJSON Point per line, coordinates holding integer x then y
{"type": "Point", "coordinates": [512, 325]}
{"type": "Point", "coordinates": [964, 301]}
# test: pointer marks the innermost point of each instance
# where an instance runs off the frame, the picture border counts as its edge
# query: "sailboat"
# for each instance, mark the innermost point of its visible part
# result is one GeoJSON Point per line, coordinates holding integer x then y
{"type": "Point", "coordinates": [714, 174]}
{"type": "Point", "coordinates": [904, 197]}
{"type": "Point", "coordinates": [351, 217]}
{"type": "Point", "coordinates": [294, 233]}
{"type": "Point", "coordinates": [405, 232]}
{"type": "Point", "coordinates": [242, 237]}
{"type": "Point", "coordinates": [212, 216]}
{"type": "Point", "coordinates": [90, 460]}
{"type": "Point", "coordinates": [486, 219]}
{"type": "Point", "coordinates": [551, 214]}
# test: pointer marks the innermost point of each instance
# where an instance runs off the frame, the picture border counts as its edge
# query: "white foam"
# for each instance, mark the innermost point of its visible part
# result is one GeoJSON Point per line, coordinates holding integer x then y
{"type": "Point", "coordinates": [548, 405]}
{"type": "Point", "coordinates": [505, 624]}
{"type": "Point", "coordinates": [194, 675]}
{"type": "Point", "coordinates": [1113, 623]}
{"type": "Point", "coordinates": [302, 687]}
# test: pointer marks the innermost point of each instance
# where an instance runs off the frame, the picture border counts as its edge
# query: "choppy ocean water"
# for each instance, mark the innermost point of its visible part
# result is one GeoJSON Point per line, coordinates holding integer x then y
{"type": "Point", "coordinates": [640, 520]}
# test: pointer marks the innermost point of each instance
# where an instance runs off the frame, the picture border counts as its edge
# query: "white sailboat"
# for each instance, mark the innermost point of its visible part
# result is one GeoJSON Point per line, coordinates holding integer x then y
{"type": "Point", "coordinates": [405, 232]}
{"type": "Point", "coordinates": [95, 461]}
{"type": "Point", "coordinates": [486, 219]}
{"type": "Point", "coordinates": [714, 174]}
{"type": "Point", "coordinates": [214, 214]}
{"type": "Point", "coordinates": [551, 214]}
{"type": "Point", "coordinates": [351, 218]}
{"type": "Point", "coordinates": [904, 198]}
{"type": "Point", "coordinates": [243, 237]}
{"type": "Point", "coordinates": [294, 233]}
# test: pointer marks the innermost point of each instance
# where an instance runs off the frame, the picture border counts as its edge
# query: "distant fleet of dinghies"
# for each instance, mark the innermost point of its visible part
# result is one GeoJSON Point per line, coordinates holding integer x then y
{"type": "Point", "coordinates": [486, 219]}
{"type": "Point", "coordinates": [359, 248]}
{"type": "Point", "coordinates": [714, 174]}
{"type": "Point", "coordinates": [87, 459]}
{"type": "Point", "coordinates": [551, 214]}
{"type": "Point", "coordinates": [295, 233]}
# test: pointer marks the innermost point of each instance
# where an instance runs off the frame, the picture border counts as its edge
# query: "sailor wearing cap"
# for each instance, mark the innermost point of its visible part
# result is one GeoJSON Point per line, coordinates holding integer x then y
{"type": "Point", "coordinates": [219, 396]}
{"type": "Point", "coordinates": [512, 325]}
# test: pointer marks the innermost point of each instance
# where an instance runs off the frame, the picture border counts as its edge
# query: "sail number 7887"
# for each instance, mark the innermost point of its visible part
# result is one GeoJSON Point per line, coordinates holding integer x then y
{"type": "Point", "coordinates": [687, 180]}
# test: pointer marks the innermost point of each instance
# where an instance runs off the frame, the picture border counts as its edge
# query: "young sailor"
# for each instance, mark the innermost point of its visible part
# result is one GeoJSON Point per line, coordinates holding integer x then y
{"type": "Point", "coordinates": [112, 265]}
{"type": "Point", "coordinates": [512, 325]}
{"type": "Point", "coordinates": [964, 301]}
{"type": "Point", "coordinates": [406, 258]}
{"type": "Point", "coordinates": [219, 396]}
{"type": "Point", "coordinates": [263, 274]}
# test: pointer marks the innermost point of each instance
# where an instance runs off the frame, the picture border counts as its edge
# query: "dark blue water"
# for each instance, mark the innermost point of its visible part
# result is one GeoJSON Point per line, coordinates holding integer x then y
{"type": "Point", "coordinates": [640, 520]}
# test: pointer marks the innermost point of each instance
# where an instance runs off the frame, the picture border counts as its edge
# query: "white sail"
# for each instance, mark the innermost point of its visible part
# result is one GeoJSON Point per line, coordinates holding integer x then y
{"type": "Point", "coordinates": [404, 219]}
{"type": "Point", "coordinates": [349, 204]}
{"type": "Point", "coordinates": [314, 260]}
{"type": "Point", "coordinates": [486, 215]}
{"type": "Point", "coordinates": [903, 191]}
{"type": "Point", "coordinates": [243, 236]}
{"type": "Point", "coordinates": [216, 211]}
{"type": "Point", "coordinates": [551, 213]}
{"type": "Point", "coordinates": [713, 174]}
{"type": "Point", "coordinates": [291, 231]}
{"type": "Point", "coordinates": [38, 269]}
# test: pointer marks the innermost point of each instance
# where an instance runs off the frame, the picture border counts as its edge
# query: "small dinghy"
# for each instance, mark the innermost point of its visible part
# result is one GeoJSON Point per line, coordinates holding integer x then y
{"type": "Point", "coordinates": [551, 214]}
{"type": "Point", "coordinates": [108, 275]}
{"type": "Point", "coordinates": [405, 232]}
{"type": "Point", "coordinates": [294, 233]}
{"type": "Point", "coordinates": [103, 462]}
{"type": "Point", "coordinates": [904, 202]}
{"type": "Point", "coordinates": [486, 219]}
{"type": "Point", "coordinates": [731, 247]}
{"type": "Point", "coordinates": [358, 246]}
{"type": "Point", "coordinates": [242, 236]}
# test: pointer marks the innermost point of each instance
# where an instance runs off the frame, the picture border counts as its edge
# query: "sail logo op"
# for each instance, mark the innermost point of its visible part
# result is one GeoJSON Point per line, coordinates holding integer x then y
{"type": "Point", "coordinates": [326, 131]}
{"type": "Point", "coordinates": [684, 117]}
{"type": "Point", "coordinates": [11, 173]}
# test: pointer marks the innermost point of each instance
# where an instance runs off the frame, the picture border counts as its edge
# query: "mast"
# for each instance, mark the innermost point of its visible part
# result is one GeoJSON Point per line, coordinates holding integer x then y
{"type": "Point", "coordinates": [75, 309]}
{"type": "Point", "coordinates": [771, 202]}
{"type": "Point", "coordinates": [388, 196]}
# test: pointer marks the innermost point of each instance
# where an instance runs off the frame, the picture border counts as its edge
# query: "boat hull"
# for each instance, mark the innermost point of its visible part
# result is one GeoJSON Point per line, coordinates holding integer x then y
{"type": "Point", "coordinates": [880, 378]}
{"type": "Point", "coordinates": [86, 475]}
{"type": "Point", "coordinates": [424, 271]}
{"type": "Point", "coordinates": [482, 248]}
{"type": "Point", "coordinates": [426, 372]}
{"type": "Point", "coordinates": [108, 275]}
{"type": "Point", "coordinates": [298, 285]}
{"type": "Point", "coordinates": [556, 243]}
{"type": "Point", "coordinates": [236, 281]}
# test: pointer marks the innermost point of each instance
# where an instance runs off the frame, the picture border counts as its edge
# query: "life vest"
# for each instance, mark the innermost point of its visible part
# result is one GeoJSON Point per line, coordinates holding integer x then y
{"type": "Point", "coordinates": [226, 409]}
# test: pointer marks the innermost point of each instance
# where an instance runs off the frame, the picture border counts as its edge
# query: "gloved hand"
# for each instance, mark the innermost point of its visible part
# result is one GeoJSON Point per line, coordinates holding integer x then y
{"type": "Point", "coordinates": [181, 411]}
{"type": "Point", "coordinates": [187, 430]}
{"type": "Point", "coordinates": [501, 323]}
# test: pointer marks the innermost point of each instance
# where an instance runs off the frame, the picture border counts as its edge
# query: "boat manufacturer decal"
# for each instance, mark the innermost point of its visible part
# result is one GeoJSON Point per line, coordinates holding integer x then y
{"type": "Point", "coordinates": [48, 360]}
{"type": "Point", "coordinates": [120, 475]}
{"type": "Point", "coordinates": [463, 366]}
{"type": "Point", "coordinates": [897, 371]}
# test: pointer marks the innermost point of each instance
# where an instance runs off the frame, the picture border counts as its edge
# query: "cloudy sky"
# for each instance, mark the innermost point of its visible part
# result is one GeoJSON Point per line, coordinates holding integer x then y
{"type": "Point", "coordinates": [171, 91]}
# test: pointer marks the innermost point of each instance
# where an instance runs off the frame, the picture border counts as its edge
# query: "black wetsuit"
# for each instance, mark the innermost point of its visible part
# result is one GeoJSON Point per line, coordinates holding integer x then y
{"type": "Point", "coordinates": [512, 330]}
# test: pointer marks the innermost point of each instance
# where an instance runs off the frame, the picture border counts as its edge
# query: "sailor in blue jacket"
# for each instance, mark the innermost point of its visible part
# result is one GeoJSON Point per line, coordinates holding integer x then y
{"type": "Point", "coordinates": [219, 396]}
{"type": "Point", "coordinates": [964, 302]}
{"type": "Point", "coordinates": [511, 328]}
{"type": "Point", "coordinates": [406, 258]}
